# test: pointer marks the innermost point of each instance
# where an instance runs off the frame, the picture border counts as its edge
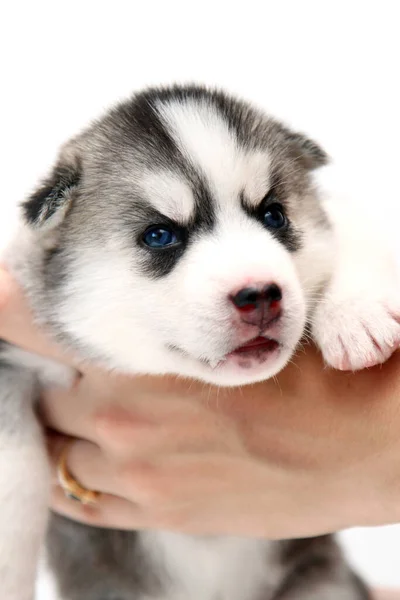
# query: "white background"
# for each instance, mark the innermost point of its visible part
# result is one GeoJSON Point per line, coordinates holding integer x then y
{"type": "Point", "coordinates": [328, 67]}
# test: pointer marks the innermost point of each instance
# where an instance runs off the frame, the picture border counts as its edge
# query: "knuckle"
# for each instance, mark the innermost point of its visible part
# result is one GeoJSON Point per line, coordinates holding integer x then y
{"type": "Point", "coordinates": [115, 427]}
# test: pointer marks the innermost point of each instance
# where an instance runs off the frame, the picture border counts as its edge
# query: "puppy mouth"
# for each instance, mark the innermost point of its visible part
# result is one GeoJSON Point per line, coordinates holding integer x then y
{"type": "Point", "coordinates": [255, 347]}
{"type": "Point", "coordinates": [254, 352]}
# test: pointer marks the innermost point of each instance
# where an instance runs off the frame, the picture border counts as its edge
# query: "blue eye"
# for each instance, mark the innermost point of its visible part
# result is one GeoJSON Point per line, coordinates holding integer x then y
{"type": "Point", "coordinates": [160, 237]}
{"type": "Point", "coordinates": [274, 217]}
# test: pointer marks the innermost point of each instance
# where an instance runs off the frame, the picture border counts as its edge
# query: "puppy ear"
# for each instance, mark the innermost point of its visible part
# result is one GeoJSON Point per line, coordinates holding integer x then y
{"type": "Point", "coordinates": [307, 151]}
{"type": "Point", "coordinates": [48, 205]}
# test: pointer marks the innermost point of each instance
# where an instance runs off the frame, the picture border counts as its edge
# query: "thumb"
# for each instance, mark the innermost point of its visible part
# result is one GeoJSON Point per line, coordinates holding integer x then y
{"type": "Point", "coordinates": [17, 324]}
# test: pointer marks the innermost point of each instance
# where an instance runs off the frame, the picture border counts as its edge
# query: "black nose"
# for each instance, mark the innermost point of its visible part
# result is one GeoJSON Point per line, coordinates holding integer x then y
{"type": "Point", "coordinates": [251, 297]}
{"type": "Point", "coordinates": [272, 293]}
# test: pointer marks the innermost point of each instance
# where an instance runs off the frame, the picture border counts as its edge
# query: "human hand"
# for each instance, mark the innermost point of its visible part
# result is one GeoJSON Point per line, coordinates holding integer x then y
{"type": "Point", "coordinates": [387, 594]}
{"type": "Point", "coordinates": [313, 451]}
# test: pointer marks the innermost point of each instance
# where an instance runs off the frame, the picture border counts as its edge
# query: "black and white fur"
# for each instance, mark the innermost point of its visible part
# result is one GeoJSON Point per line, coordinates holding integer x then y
{"type": "Point", "coordinates": [208, 166]}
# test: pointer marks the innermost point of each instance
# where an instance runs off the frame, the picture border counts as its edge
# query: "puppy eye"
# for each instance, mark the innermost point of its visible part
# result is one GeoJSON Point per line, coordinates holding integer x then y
{"type": "Point", "coordinates": [159, 237]}
{"type": "Point", "coordinates": [274, 216]}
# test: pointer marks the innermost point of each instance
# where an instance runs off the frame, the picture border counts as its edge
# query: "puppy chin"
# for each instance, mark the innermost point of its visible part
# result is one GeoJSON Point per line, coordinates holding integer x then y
{"type": "Point", "coordinates": [234, 374]}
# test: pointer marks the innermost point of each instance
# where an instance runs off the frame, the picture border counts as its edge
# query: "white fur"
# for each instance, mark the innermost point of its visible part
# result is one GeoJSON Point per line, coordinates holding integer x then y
{"type": "Point", "coordinates": [227, 568]}
{"type": "Point", "coordinates": [49, 372]}
{"type": "Point", "coordinates": [24, 488]}
{"type": "Point", "coordinates": [189, 308]}
{"type": "Point", "coordinates": [205, 139]}
{"type": "Point", "coordinates": [170, 195]}
{"type": "Point", "coordinates": [357, 322]}
{"type": "Point", "coordinates": [133, 319]}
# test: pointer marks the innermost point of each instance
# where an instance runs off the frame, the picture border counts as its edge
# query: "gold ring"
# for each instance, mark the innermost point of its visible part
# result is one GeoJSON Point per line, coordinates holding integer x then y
{"type": "Point", "coordinates": [72, 489]}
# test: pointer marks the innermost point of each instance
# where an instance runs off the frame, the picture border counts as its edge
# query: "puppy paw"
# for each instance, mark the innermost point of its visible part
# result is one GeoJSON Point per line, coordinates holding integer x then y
{"type": "Point", "coordinates": [357, 331]}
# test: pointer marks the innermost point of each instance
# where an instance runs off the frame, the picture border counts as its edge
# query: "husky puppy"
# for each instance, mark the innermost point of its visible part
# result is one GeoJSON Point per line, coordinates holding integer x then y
{"type": "Point", "coordinates": [181, 233]}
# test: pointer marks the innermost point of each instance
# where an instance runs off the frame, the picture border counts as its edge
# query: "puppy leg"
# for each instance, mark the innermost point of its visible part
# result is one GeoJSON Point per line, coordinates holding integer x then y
{"type": "Point", "coordinates": [24, 483]}
{"type": "Point", "coordinates": [357, 322]}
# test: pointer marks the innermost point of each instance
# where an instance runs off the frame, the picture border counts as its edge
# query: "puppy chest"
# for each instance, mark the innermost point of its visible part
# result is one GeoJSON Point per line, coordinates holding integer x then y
{"type": "Point", "coordinates": [213, 568]}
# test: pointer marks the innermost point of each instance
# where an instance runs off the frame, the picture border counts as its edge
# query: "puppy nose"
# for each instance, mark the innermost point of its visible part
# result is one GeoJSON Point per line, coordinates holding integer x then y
{"type": "Point", "coordinates": [250, 298]}
{"type": "Point", "coordinates": [258, 305]}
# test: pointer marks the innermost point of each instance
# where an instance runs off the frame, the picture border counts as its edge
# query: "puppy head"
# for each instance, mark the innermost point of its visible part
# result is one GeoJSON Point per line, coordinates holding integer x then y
{"type": "Point", "coordinates": [181, 233]}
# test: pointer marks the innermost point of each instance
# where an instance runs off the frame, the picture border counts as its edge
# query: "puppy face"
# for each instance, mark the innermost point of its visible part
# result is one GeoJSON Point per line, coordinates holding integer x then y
{"type": "Point", "coordinates": [181, 233]}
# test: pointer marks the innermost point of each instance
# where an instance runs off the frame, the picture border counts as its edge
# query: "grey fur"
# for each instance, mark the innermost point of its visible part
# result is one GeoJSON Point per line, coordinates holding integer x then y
{"type": "Point", "coordinates": [93, 197]}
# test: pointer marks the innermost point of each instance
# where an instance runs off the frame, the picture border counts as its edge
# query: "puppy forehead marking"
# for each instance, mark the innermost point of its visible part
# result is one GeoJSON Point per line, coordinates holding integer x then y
{"type": "Point", "coordinates": [204, 137]}
{"type": "Point", "coordinates": [169, 194]}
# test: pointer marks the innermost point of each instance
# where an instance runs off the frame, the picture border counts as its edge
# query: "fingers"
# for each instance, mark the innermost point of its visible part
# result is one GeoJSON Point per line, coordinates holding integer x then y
{"type": "Point", "coordinates": [16, 321]}
{"type": "Point", "coordinates": [102, 412]}
{"type": "Point", "coordinates": [110, 511]}
{"type": "Point", "coordinates": [149, 504]}
{"type": "Point", "coordinates": [5, 287]}
{"type": "Point", "coordinates": [167, 494]}
{"type": "Point", "coordinates": [390, 594]}
{"type": "Point", "coordinates": [141, 480]}
{"type": "Point", "coordinates": [87, 465]}
{"type": "Point", "coordinates": [116, 513]}
{"type": "Point", "coordinates": [72, 411]}
{"type": "Point", "coordinates": [84, 462]}
{"type": "Point", "coordinates": [127, 417]}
